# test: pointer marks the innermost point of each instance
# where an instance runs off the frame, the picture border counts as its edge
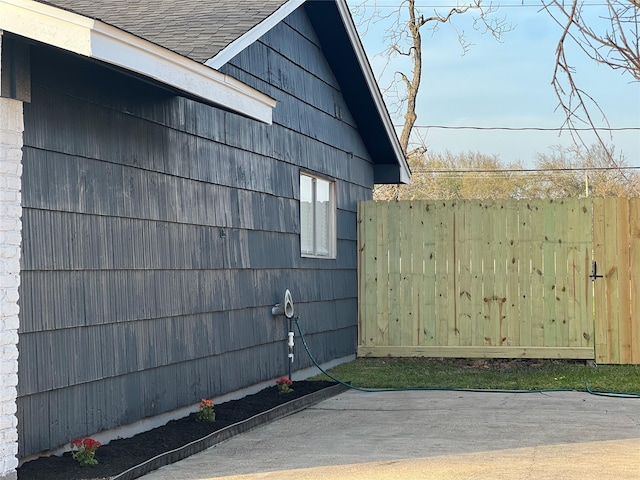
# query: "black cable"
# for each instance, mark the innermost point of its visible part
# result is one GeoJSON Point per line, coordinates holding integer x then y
{"type": "Point", "coordinates": [525, 170]}
{"type": "Point", "coordinates": [517, 5]}
{"type": "Point", "coordinates": [524, 129]}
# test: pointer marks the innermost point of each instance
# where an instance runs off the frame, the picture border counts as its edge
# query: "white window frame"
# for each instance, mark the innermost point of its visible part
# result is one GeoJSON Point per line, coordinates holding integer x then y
{"type": "Point", "coordinates": [315, 251]}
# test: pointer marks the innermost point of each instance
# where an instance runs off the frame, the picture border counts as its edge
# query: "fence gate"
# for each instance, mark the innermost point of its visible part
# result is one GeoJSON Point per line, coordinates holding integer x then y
{"type": "Point", "coordinates": [615, 273]}
{"type": "Point", "coordinates": [500, 279]}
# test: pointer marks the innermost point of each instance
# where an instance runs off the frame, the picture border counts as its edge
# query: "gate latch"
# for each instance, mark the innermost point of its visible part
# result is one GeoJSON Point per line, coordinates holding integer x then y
{"type": "Point", "coordinates": [594, 272]}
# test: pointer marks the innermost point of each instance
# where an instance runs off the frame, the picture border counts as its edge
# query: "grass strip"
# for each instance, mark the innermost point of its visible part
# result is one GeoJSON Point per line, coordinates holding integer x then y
{"type": "Point", "coordinates": [498, 374]}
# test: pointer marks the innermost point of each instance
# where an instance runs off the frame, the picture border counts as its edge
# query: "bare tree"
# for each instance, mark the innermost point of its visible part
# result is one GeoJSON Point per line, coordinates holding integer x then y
{"type": "Point", "coordinates": [403, 37]}
{"type": "Point", "coordinates": [583, 171]}
{"type": "Point", "coordinates": [611, 38]}
{"type": "Point", "coordinates": [468, 175]}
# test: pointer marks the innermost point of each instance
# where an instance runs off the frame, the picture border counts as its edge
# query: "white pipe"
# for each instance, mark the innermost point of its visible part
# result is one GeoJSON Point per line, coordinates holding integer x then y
{"type": "Point", "coordinates": [290, 343]}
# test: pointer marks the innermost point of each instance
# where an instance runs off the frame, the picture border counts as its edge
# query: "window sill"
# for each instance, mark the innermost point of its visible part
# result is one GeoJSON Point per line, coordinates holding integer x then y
{"type": "Point", "coordinates": [325, 257]}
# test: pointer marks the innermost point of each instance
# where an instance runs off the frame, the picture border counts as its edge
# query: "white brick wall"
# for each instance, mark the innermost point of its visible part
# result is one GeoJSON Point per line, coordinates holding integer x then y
{"type": "Point", "coordinates": [11, 128]}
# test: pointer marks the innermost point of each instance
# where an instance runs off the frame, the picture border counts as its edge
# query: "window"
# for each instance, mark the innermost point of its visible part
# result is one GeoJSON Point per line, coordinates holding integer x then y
{"type": "Point", "coordinates": [317, 217]}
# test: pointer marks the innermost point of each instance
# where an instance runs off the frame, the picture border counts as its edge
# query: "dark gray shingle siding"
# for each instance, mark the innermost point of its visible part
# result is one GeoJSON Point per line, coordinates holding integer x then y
{"type": "Point", "coordinates": [158, 232]}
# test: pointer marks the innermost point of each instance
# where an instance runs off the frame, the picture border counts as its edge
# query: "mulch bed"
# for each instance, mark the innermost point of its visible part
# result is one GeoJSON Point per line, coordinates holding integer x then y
{"type": "Point", "coordinates": [120, 455]}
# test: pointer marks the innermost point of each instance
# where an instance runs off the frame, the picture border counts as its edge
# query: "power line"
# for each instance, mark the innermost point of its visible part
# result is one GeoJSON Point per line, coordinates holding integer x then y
{"type": "Point", "coordinates": [526, 129]}
{"type": "Point", "coordinates": [538, 5]}
{"type": "Point", "coordinates": [528, 170]}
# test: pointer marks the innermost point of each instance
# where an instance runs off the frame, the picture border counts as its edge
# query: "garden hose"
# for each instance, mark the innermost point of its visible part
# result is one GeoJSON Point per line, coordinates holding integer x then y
{"type": "Point", "coordinates": [602, 393]}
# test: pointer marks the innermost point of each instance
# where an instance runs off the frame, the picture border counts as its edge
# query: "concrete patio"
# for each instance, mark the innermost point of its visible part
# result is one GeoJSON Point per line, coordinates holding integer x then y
{"type": "Point", "coordinates": [434, 435]}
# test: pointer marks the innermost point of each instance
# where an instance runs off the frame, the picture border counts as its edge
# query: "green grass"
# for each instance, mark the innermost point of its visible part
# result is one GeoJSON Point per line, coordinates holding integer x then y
{"type": "Point", "coordinates": [487, 374]}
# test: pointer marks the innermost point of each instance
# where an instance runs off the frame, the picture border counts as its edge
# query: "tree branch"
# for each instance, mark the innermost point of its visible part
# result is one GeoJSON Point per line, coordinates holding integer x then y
{"type": "Point", "coordinates": [617, 48]}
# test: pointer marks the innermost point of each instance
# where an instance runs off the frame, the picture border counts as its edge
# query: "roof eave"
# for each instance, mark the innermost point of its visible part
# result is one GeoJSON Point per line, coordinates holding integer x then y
{"type": "Point", "coordinates": [94, 39]}
{"type": "Point", "coordinates": [404, 172]}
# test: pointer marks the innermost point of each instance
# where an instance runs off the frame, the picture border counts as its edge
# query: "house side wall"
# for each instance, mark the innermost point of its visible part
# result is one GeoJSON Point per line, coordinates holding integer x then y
{"type": "Point", "coordinates": [288, 65]}
{"type": "Point", "coordinates": [159, 232]}
{"type": "Point", "coordinates": [11, 128]}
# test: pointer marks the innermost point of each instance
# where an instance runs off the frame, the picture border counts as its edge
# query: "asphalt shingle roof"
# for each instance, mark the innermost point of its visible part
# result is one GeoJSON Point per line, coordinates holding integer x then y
{"type": "Point", "coordinates": [201, 29]}
{"type": "Point", "coordinates": [197, 29]}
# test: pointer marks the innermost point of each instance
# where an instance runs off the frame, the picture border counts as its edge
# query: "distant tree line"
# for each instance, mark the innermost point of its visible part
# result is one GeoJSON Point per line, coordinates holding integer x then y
{"type": "Point", "coordinates": [575, 172]}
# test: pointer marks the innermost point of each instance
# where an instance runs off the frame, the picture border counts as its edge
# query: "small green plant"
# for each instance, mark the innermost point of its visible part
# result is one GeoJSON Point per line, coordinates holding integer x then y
{"type": "Point", "coordinates": [284, 385]}
{"type": "Point", "coordinates": [206, 412]}
{"type": "Point", "coordinates": [83, 450]}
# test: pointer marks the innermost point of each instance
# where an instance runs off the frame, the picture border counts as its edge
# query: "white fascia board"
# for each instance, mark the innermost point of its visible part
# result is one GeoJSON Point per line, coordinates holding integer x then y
{"type": "Point", "coordinates": [374, 90]}
{"type": "Point", "coordinates": [95, 39]}
{"type": "Point", "coordinates": [248, 38]}
{"type": "Point", "coordinates": [47, 25]}
{"type": "Point", "coordinates": [148, 59]}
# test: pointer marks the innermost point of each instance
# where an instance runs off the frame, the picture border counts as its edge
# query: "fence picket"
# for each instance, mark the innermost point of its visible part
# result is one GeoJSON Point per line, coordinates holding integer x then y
{"type": "Point", "coordinates": [512, 276]}
{"type": "Point", "coordinates": [612, 282]}
{"type": "Point", "coordinates": [429, 304]}
{"type": "Point", "coordinates": [417, 279]}
{"type": "Point", "coordinates": [525, 272]}
{"type": "Point", "coordinates": [537, 279]}
{"type": "Point", "coordinates": [549, 301]}
{"type": "Point", "coordinates": [381, 312]}
{"type": "Point", "coordinates": [624, 298]}
{"type": "Point", "coordinates": [405, 308]}
{"type": "Point", "coordinates": [463, 301]}
{"type": "Point", "coordinates": [634, 274]}
{"type": "Point", "coordinates": [562, 290]}
{"type": "Point", "coordinates": [601, 333]}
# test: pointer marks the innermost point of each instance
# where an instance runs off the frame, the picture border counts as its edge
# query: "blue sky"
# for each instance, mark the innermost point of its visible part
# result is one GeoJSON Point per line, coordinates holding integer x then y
{"type": "Point", "coordinates": [508, 84]}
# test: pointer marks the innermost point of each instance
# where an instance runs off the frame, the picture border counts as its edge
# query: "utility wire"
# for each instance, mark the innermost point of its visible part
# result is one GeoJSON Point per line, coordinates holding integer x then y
{"type": "Point", "coordinates": [527, 170]}
{"type": "Point", "coordinates": [525, 129]}
{"type": "Point", "coordinates": [499, 5]}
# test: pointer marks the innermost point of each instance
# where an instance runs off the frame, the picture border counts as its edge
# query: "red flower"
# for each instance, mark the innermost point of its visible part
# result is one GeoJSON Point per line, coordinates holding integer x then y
{"type": "Point", "coordinates": [284, 381]}
{"type": "Point", "coordinates": [87, 444]}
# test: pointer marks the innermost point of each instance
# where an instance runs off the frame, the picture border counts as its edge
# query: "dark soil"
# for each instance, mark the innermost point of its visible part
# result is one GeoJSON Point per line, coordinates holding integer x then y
{"type": "Point", "coordinates": [120, 455]}
{"type": "Point", "coordinates": [502, 364]}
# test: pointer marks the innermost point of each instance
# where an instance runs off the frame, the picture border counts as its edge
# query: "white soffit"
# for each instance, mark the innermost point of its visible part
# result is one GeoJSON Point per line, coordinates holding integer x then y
{"type": "Point", "coordinates": [95, 39]}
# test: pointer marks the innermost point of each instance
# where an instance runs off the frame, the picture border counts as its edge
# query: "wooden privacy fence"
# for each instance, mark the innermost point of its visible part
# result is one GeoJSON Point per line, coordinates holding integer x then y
{"type": "Point", "coordinates": [500, 279]}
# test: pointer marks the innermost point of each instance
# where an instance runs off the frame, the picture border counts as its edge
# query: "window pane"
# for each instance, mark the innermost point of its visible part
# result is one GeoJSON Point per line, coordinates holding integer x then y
{"type": "Point", "coordinates": [323, 217]}
{"type": "Point", "coordinates": [306, 214]}
{"type": "Point", "coordinates": [317, 216]}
